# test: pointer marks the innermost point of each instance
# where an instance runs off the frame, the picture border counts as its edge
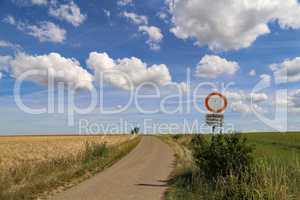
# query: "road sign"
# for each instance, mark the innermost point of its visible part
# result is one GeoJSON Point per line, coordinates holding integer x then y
{"type": "Point", "coordinates": [215, 102]}
{"type": "Point", "coordinates": [216, 120]}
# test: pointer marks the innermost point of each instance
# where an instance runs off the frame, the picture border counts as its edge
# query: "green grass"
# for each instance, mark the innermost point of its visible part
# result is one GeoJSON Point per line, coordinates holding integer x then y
{"type": "Point", "coordinates": [278, 146]}
{"type": "Point", "coordinates": [277, 165]}
{"type": "Point", "coordinates": [30, 181]}
{"type": "Point", "coordinates": [280, 152]}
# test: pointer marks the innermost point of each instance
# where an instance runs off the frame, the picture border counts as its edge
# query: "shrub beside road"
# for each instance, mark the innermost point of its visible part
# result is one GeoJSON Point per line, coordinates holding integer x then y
{"type": "Point", "coordinates": [246, 166]}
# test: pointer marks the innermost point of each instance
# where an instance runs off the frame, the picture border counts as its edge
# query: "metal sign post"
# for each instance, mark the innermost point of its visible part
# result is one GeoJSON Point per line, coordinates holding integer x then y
{"type": "Point", "coordinates": [216, 104]}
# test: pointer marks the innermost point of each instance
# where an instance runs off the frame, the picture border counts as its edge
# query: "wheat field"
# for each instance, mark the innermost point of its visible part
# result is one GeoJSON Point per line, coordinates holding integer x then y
{"type": "Point", "coordinates": [34, 167]}
{"type": "Point", "coordinates": [15, 150]}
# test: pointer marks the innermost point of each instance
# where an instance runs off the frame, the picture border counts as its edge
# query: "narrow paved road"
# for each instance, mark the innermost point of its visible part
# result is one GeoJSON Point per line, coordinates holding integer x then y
{"type": "Point", "coordinates": [141, 175]}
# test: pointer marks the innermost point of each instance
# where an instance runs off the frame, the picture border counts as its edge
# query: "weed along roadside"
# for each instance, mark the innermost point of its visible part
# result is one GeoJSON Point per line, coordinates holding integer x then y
{"type": "Point", "coordinates": [234, 167]}
{"type": "Point", "coordinates": [30, 180]}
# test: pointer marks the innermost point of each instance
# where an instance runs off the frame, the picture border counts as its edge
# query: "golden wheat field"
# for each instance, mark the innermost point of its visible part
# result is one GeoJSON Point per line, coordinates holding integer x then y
{"type": "Point", "coordinates": [15, 150]}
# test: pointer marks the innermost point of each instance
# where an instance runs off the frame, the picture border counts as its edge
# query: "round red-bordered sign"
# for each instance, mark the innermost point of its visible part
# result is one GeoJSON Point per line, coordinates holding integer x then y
{"type": "Point", "coordinates": [216, 102]}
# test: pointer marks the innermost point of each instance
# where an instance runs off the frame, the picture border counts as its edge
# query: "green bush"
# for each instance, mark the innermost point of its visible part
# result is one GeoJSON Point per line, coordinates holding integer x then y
{"type": "Point", "coordinates": [135, 130]}
{"type": "Point", "coordinates": [95, 150]}
{"type": "Point", "coordinates": [215, 175]}
{"type": "Point", "coordinates": [222, 155]}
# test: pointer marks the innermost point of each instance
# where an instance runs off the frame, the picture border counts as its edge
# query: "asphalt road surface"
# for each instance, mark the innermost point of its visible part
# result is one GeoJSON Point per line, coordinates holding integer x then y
{"type": "Point", "coordinates": [141, 175]}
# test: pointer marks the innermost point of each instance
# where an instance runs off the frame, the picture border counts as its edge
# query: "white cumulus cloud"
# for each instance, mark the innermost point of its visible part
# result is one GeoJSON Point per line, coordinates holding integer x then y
{"type": "Point", "coordinates": [135, 18]}
{"type": "Point", "coordinates": [252, 72]}
{"type": "Point", "coordinates": [266, 78]}
{"type": "Point", "coordinates": [230, 24]}
{"type": "Point", "coordinates": [44, 31]}
{"type": "Point", "coordinates": [124, 2]}
{"type": "Point", "coordinates": [54, 66]}
{"type": "Point", "coordinates": [287, 71]}
{"type": "Point", "coordinates": [153, 33]}
{"type": "Point", "coordinates": [162, 15]}
{"type": "Point", "coordinates": [107, 12]}
{"type": "Point", "coordinates": [127, 73]}
{"type": "Point", "coordinates": [7, 44]}
{"type": "Point", "coordinates": [9, 20]}
{"type": "Point", "coordinates": [30, 2]}
{"type": "Point", "coordinates": [69, 12]}
{"type": "Point", "coordinates": [184, 87]}
{"type": "Point", "coordinates": [246, 102]}
{"type": "Point", "coordinates": [240, 107]}
{"type": "Point", "coordinates": [293, 101]}
{"type": "Point", "coordinates": [154, 36]}
{"type": "Point", "coordinates": [4, 62]}
{"type": "Point", "coordinates": [246, 96]}
{"type": "Point", "coordinates": [39, 2]}
{"type": "Point", "coordinates": [212, 66]}
{"type": "Point", "coordinates": [258, 97]}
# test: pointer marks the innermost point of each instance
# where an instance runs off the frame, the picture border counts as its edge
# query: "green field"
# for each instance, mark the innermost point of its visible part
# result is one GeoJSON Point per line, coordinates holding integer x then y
{"type": "Point", "coordinates": [284, 147]}
{"type": "Point", "coordinates": [281, 153]}
{"type": "Point", "coordinates": [277, 160]}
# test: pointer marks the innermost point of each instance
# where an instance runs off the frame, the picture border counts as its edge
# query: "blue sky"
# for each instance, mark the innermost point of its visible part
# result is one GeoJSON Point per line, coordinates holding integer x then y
{"type": "Point", "coordinates": [74, 29]}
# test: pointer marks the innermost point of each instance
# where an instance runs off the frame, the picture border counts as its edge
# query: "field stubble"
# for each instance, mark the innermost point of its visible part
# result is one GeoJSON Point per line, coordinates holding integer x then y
{"type": "Point", "coordinates": [16, 150]}
{"type": "Point", "coordinates": [37, 166]}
